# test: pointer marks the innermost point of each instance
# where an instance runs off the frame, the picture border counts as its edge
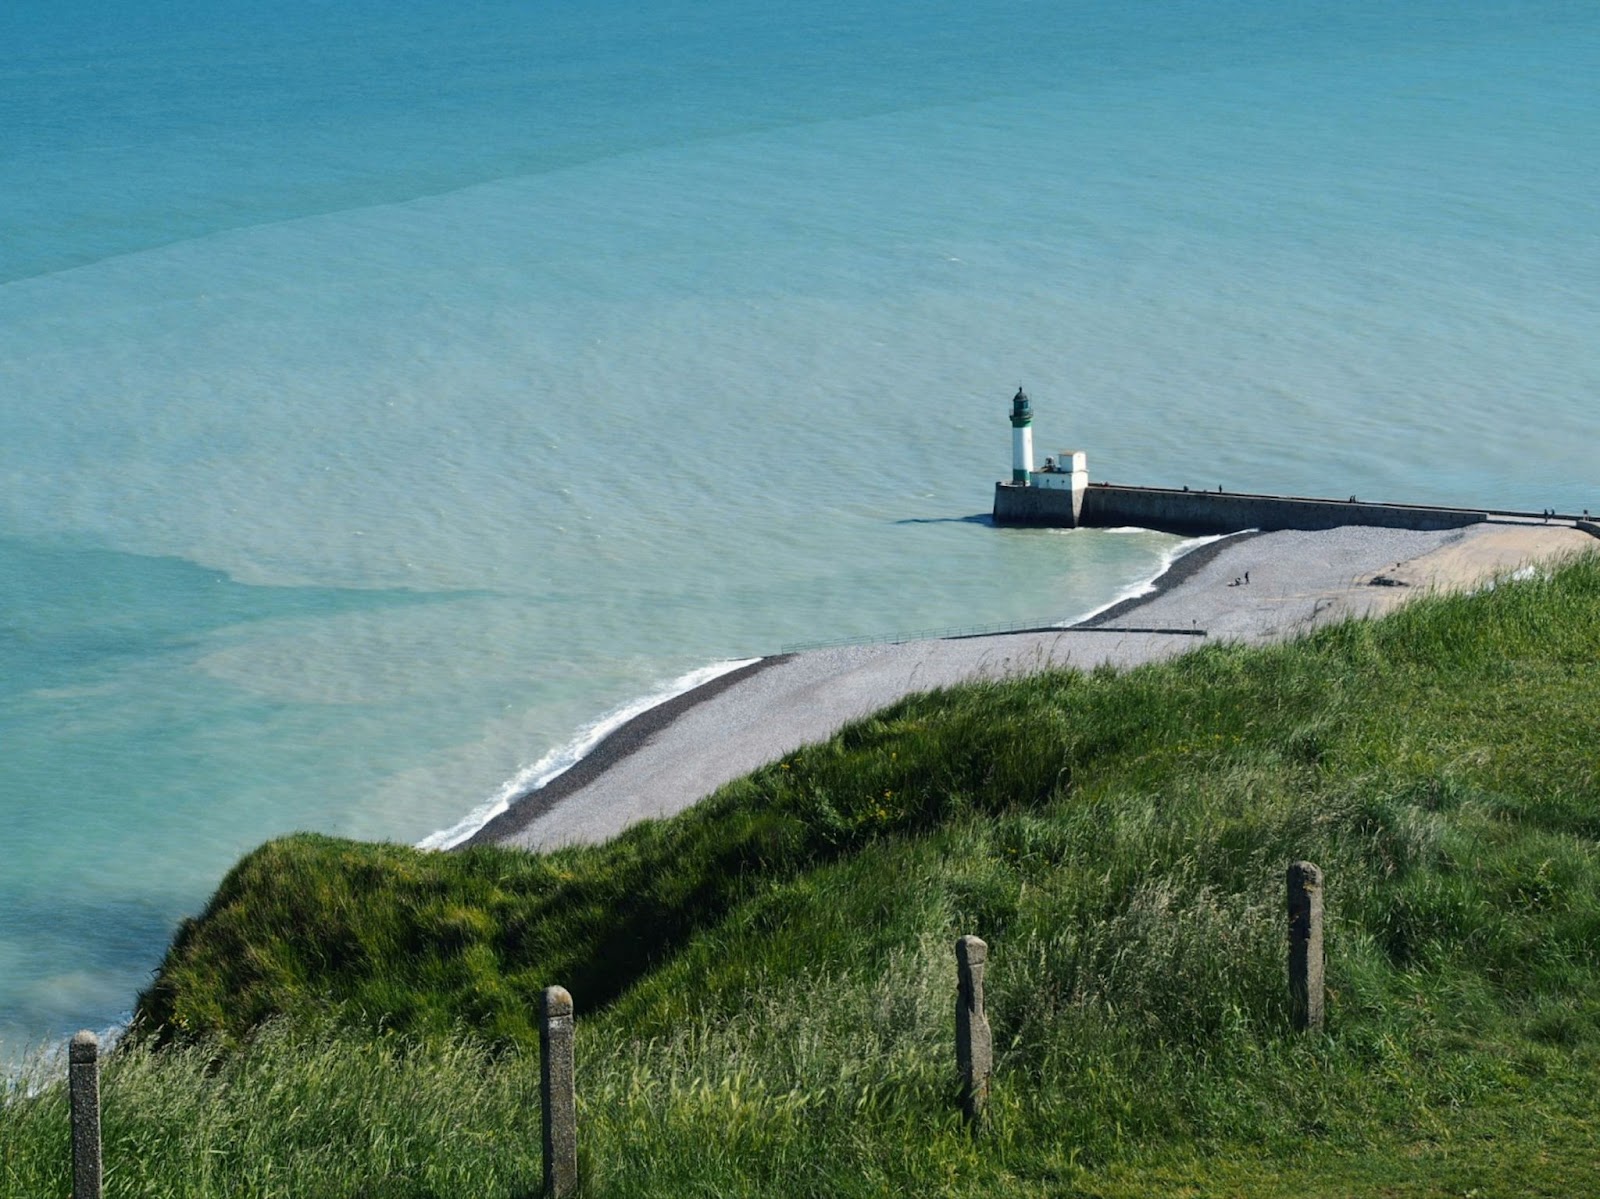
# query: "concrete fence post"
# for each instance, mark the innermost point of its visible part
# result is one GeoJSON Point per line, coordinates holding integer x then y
{"type": "Point", "coordinates": [1306, 987]}
{"type": "Point", "coordinates": [83, 1086]}
{"type": "Point", "coordinates": [557, 1098]}
{"type": "Point", "coordinates": [974, 1045]}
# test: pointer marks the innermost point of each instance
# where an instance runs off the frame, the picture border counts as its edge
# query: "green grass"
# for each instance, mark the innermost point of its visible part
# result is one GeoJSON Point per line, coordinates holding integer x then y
{"type": "Point", "coordinates": [765, 984]}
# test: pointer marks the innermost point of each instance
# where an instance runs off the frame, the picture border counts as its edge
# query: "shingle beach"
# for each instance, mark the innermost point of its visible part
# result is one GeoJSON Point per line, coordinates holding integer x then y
{"type": "Point", "coordinates": [673, 755]}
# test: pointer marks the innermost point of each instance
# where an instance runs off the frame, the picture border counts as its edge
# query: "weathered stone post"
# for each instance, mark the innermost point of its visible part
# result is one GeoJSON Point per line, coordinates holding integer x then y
{"type": "Point", "coordinates": [1306, 987]}
{"type": "Point", "coordinates": [558, 1101]}
{"type": "Point", "coordinates": [83, 1086]}
{"type": "Point", "coordinates": [974, 1046]}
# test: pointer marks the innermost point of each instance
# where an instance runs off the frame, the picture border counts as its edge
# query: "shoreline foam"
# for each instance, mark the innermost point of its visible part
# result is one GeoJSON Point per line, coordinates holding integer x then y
{"type": "Point", "coordinates": [564, 758]}
{"type": "Point", "coordinates": [1195, 552]}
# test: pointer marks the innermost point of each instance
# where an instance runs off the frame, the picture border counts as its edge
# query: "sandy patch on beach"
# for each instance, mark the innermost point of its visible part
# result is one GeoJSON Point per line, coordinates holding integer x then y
{"type": "Point", "coordinates": [1491, 551]}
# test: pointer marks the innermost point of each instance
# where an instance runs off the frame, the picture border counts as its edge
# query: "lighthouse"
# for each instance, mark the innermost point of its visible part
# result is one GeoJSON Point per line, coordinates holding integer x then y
{"type": "Point", "coordinates": [1051, 496]}
{"type": "Point", "coordinates": [1021, 439]}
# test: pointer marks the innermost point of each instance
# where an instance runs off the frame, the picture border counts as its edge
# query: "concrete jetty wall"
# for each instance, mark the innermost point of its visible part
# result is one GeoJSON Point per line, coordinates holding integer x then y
{"type": "Point", "coordinates": [1105, 505]}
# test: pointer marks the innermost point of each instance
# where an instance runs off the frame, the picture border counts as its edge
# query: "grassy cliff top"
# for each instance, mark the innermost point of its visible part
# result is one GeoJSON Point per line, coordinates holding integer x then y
{"type": "Point", "coordinates": [765, 983]}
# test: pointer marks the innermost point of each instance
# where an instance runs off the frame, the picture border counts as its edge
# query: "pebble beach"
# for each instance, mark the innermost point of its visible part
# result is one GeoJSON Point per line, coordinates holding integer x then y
{"type": "Point", "coordinates": [1249, 588]}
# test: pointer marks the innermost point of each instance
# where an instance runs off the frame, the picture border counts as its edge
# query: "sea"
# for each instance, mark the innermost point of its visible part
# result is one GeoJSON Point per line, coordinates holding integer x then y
{"type": "Point", "coordinates": [394, 396]}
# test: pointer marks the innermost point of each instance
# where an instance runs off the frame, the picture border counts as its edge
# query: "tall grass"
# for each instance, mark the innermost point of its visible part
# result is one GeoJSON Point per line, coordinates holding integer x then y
{"type": "Point", "coordinates": [309, 1111]}
{"type": "Point", "coordinates": [765, 984]}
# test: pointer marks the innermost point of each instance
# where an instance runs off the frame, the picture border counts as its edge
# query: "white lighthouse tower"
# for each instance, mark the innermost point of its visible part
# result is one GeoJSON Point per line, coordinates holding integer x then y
{"type": "Point", "coordinates": [1021, 439]}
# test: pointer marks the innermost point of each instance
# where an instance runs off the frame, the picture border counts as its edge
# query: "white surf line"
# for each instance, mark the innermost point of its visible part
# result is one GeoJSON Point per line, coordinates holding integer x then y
{"type": "Point", "coordinates": [558, 761]}
{"type": "Point", "coordinates": [25, 1071]}
{"type": "Point", "coordinates": [1145, 587]}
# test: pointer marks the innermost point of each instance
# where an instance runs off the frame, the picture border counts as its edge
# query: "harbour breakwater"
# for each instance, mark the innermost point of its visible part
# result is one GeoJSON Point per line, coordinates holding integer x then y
{"type": "Point", "coordinates": [1198, 513]}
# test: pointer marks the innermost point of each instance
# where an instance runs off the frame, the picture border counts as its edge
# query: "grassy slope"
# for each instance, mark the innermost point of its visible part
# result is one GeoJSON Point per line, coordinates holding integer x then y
{"type": "Point", "coordinates": [767, 980]}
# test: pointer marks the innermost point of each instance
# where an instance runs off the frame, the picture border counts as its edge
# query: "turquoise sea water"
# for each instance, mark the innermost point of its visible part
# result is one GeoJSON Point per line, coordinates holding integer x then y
{"type": "Point", "coordinates": [388, 393]}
